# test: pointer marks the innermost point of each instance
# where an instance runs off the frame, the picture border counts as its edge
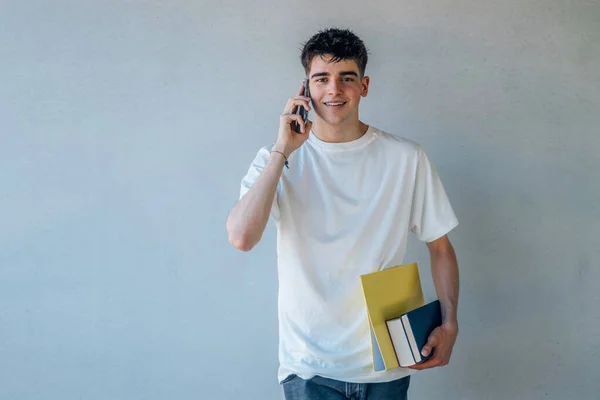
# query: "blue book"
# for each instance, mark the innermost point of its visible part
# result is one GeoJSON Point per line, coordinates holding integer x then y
{"type": "Point", "coordinates": [409, 332]}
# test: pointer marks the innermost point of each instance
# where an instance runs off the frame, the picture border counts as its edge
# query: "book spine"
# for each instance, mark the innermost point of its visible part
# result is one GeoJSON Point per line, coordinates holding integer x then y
{"type": "Point", "coordinates": [416, 353]}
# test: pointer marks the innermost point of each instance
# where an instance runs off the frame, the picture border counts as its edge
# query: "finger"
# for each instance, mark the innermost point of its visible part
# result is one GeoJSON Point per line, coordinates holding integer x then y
{"type": "Point", "coordinates": [289, 118]}
{"type": "Point", "coordinates": [294, 102]}
{"type": "Point", "coordinates": [431, 363]}
{"type": "Point", "coordinates": [305, 105]}
{"type": "Point", "coordinates": [301, 123]}
{"type": "Point", "coordinates": [308, 125]}
{"type": "Point", "coordinates": [297, 101]}
{"type": "Point", "coordinates": [301, 90]}
{"type": "Point", "coordinates": [432, 341]}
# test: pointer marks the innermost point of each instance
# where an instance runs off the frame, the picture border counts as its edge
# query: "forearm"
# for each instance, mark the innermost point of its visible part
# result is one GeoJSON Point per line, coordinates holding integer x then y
{"type": "Point", "coordinates": [444, 270]}
{"type": "Point", "coordinates": [248, 218]}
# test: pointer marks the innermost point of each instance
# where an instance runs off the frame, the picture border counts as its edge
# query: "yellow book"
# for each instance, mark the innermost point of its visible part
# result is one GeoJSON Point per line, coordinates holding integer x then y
{"type": "Point", "coordinates": [388, 294]}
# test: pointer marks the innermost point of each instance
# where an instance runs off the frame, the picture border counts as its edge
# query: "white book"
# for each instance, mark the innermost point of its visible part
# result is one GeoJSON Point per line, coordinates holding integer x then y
{"type": "Point", "coordinates": [410, 332]}
{"type": "Point", "coordinates": [401, 342]}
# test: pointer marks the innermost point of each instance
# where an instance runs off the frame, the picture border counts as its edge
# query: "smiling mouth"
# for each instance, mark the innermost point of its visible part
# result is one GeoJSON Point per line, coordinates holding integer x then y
{"type": "Point", "coordinates": [335, 104]}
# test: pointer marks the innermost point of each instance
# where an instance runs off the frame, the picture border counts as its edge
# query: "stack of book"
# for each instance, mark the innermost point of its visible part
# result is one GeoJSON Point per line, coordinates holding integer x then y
{"type": "Point", "coordinates": [399, 319]}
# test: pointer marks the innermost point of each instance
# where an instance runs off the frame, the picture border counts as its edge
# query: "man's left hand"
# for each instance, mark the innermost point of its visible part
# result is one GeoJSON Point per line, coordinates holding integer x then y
{"type": "Point", "coordinates": [441, 341]}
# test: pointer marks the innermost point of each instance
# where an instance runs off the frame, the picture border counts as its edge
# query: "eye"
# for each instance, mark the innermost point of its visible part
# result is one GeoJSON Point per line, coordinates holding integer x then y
{"type": "Point", "coordinates": [321, 79]}
{"type": "Point", "coordinates": [348, 79]}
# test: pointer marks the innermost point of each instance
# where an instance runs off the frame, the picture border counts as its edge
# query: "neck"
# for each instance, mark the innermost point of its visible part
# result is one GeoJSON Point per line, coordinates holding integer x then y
{"type": "Point", "coordinates": [339, 133]}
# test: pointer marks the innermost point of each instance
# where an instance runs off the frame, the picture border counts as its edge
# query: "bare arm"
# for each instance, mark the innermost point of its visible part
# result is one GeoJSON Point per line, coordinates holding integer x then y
{"type": "Point", "coordinates": [248, 218]}
{"type": "Point", "coordinates": [444, 270]}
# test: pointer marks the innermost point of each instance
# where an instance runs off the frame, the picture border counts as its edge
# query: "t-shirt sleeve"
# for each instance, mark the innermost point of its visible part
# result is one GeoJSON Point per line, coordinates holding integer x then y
{"type": "Point", "coordinates": [431, 215]}
{"type": "Point", "coordinates": [256, 168]}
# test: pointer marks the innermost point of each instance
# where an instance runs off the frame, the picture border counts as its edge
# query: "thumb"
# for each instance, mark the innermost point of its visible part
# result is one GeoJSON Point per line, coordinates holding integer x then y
{"type": "Point", "coordinates": [431, 343]}
{"type": "Point", "coordinates": [308, 126]}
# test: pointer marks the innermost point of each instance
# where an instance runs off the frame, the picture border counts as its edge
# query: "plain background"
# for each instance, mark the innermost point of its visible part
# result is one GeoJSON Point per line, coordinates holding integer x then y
{"type": "Point", "coordinates": [126, 127]}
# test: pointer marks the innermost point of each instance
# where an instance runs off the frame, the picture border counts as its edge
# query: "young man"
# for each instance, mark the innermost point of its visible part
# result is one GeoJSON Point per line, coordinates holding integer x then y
{"type": "Point", "coordinates": [343, 208]}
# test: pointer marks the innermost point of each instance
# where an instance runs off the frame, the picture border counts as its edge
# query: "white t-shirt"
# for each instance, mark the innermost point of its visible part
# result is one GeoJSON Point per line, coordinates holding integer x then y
{"type": "Point", "coordinates": [343, 210]}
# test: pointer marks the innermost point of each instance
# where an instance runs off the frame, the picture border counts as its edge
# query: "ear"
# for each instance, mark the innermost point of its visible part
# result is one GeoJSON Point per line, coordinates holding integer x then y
{"type": "Point", "coordinates": [365, 86]}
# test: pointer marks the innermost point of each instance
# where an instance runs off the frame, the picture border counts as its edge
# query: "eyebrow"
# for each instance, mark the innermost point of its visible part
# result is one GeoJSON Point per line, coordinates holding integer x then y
{"type": "Point", "coordinates": [343, 73]}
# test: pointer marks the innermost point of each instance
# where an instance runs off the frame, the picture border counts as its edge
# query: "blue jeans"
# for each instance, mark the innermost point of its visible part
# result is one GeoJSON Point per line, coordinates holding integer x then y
{"type": "Point", "coordinates": [319, 388]}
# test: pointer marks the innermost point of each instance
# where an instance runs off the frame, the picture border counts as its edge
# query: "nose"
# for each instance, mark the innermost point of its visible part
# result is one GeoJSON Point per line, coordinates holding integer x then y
{"type": "Point", "coordinates": [334, 86]}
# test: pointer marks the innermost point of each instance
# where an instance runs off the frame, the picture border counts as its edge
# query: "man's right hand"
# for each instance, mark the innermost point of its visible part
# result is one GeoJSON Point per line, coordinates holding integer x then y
{"type": "Point", "coordinates": [288, 140]}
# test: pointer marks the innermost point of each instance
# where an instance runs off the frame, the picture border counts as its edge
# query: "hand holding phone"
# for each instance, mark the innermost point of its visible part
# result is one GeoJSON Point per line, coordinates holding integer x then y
{"type": "Point", "coordinates": [300, 110]}
{"type": "Point", "coordinates": [295, 114]}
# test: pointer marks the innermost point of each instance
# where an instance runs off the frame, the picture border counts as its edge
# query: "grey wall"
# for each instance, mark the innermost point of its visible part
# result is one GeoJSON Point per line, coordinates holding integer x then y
{"type": "Point", "coordinates": [126, 126]}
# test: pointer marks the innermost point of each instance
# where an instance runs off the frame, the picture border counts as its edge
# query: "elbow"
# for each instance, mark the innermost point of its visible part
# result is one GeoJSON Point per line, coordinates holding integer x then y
{"type": "Point", "coordinates": [240, 243]}
{"type": "Point", "coordinates": [239, 240]}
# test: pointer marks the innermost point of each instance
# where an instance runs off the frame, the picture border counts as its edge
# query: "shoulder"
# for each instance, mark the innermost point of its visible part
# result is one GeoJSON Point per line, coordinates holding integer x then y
{"type": "Point", "coordinates": [399, 144]}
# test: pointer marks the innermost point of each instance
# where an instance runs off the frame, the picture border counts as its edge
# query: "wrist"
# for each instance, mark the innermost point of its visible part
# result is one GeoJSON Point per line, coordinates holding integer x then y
{"type": "Point", "coordinates": [281, 156]}
{"type": "Point", "coordinates": [451, 323]}
{"type": "Point", "coordinates": [279, 147]}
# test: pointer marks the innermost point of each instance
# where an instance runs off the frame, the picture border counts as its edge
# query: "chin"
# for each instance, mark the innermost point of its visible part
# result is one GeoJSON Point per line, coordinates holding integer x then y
{"type": "Point", "coordinates": [339, 120]}
{"type": "Point", "coordinates": [335, 119]}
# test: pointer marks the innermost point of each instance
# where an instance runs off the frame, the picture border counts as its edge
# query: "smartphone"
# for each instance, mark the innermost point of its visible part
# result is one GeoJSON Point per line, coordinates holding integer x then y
{"type": "Point", "coordinates": [300, 110]}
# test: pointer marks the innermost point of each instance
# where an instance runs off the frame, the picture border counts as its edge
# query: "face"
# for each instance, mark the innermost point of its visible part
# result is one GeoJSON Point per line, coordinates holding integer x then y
{"type": "Point", "coordinates": [336, 89]}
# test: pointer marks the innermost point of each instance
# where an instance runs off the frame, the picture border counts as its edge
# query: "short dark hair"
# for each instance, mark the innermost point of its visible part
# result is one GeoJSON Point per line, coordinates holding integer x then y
{"type": "Point", "coordinates": [341, 44]}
